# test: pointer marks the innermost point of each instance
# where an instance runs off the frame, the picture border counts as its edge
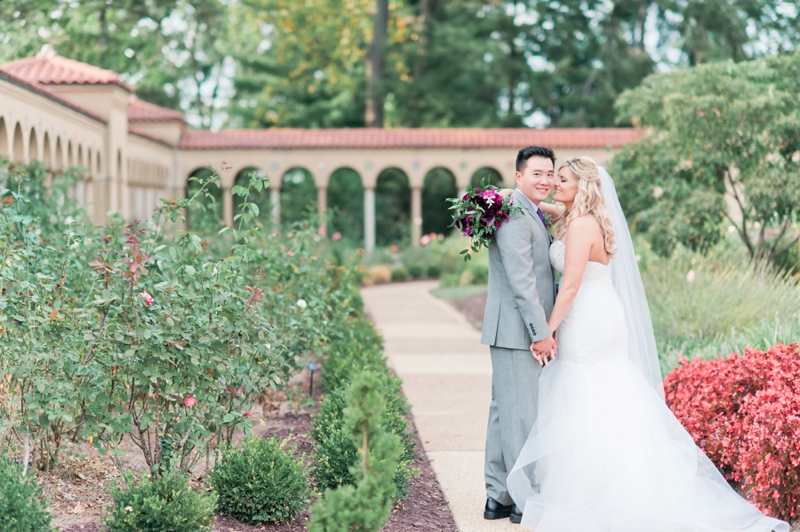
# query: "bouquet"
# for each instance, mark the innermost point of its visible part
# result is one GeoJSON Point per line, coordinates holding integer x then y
{"type": "Point", "coordinates": [480, 213]}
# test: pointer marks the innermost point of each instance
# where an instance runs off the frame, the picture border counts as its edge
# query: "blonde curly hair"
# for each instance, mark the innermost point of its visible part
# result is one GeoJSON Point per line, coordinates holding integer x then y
{"type": "Point", "coordinates": [589, 200]}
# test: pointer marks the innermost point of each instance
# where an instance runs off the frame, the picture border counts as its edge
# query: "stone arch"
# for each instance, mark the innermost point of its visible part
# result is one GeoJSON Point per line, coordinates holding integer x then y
{"type": "Point", "coordinates": [59, 162]}
{"type": "Point", "coordinates": [259, 197]}
{"type": "Point", "coordinates": [119, 164]}
{"type": "Point", "coordinates": [47, 151]}
{"type": "Point", "coordinates": [492, 175]}
{"type": "Point", "coordinates": [17, 149]}
{"type": "Point", "coordinates": [205, 214]}
{"type": "Point", "coordinates": [70, 155]}
{"type": "Point", "coordinates": [4, 149]}
{"type": "Point", "coordinates": [33, 145]}
{"type": "Point", "coordinates": [392, 207]}
{"type": "Point", "coordinates": [346, 200]}
{"type": "Point", "coordinates": [298, 195]}
{"type": "Point", "coordinates": [438, 186]}
{"type": "Point", "coordinates": [79, 157]}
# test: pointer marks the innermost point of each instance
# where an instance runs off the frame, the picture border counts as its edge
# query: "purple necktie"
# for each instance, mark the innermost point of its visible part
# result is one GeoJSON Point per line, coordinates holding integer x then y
{"type": "Point", "coordinates": [541, 216]}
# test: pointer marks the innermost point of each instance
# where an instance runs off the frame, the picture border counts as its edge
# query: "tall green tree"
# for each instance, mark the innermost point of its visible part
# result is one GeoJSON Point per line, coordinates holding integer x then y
{"type": "Point", "coordinates": [170, 49]}
{"type": "Point", "coordinates": [721, 147]}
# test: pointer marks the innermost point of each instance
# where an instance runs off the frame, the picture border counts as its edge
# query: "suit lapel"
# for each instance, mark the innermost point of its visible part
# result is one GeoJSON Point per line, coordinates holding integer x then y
{"type": "Point", "coordinates": [520, 199]}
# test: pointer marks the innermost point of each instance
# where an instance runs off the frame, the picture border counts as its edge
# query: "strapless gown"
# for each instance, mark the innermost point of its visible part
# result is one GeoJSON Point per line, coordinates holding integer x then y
{"type": "Point", "coordinates": [606, 454]}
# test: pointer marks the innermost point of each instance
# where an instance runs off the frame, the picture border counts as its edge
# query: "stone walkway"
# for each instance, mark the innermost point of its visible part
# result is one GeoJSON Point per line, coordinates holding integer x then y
{"type": "Point", "coordinates": [447, 378]}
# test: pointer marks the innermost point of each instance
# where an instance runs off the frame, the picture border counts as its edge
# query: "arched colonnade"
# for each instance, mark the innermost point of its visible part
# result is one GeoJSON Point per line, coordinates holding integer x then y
{"type": "Point", "coordinates": [24, 144]}
{"type": "Point", "coordinates": [431, 177]}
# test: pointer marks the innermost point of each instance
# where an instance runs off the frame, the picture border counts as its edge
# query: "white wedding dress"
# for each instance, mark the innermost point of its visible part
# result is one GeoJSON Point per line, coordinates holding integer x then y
{"type": "Point", "coordinates": [606, 454]}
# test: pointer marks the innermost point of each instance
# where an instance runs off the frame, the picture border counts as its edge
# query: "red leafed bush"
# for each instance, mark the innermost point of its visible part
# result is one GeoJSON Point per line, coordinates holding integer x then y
{"type": "Point", "coordinates": [744, 412]}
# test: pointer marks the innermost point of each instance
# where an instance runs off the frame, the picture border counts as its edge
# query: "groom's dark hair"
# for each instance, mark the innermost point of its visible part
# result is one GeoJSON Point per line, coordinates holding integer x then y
{"type": "Point", "coordinates": [534, 151]}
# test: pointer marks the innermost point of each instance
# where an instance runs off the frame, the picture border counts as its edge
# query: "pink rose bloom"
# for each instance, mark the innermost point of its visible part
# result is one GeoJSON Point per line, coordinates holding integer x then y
{"type": "Point", "coordinates": [425, 240]}
{"type": "Point", "coordinates": [148, 299]}
{"type": "Point", "coordinates": [336, 236]}
{"type": "Point", "coordinates": [247, 414]}
{"type": "Point", "coordinates": [189, 400]}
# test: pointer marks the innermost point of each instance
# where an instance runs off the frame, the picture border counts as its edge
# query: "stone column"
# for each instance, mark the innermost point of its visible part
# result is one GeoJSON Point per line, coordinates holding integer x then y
{"type": "Point", "coordinates": [369, 219]}
{"type": "Point", "coordinates": [275, 200]}
{"type": "Point", "coordinates": [227, 206]}
{"type": "Point", "coordinates": [322, 206]}
{"type": "Point", "coordinates": [416, 215]}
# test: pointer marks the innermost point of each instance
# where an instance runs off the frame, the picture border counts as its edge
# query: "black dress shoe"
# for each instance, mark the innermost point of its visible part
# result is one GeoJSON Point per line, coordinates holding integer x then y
{"type": "Point", "coordinates": [516, 515]}
{"type": "Point", "coordinates": [495, 510]}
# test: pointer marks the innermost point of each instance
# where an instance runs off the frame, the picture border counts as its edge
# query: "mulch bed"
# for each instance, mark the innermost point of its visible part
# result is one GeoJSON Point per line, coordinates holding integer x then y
{"type": "Point", "coordinates": [425, 508]}
{"type": "Point", "coordinates": [472, 308]}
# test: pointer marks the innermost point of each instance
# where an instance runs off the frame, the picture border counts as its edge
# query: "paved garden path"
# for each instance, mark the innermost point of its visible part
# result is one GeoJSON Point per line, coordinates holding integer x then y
{"type": "Point", "coordinates": [447, 378]}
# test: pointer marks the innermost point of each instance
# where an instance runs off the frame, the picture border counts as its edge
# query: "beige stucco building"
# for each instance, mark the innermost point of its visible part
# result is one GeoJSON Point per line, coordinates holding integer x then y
{"type": "Point", "coordinates": [67, 113]}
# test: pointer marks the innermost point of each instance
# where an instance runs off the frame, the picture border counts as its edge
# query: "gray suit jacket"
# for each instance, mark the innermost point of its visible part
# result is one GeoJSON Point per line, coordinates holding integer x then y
{"type": "Point", "coordinates": [521, 282]}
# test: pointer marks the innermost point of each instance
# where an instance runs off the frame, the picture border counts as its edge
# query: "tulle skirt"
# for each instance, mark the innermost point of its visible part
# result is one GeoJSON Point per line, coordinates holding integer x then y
{"type": "Point", "coordinates": [607, 455]}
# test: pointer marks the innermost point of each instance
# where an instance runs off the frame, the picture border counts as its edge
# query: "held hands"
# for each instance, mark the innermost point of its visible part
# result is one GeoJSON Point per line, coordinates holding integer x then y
{"type": "Point", "coordinates": [544, 350]}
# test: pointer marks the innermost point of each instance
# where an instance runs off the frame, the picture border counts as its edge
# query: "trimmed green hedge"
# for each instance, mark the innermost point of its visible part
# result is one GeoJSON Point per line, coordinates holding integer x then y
{"type": "Point", "coordinates": [334, 449]}
{"type": "Point", "coordinates": [261, 483]}
{"type": "Point", "coordinates": [21, 506]}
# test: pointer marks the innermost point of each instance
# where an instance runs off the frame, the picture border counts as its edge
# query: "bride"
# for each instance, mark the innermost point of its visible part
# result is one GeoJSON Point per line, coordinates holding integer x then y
{"type": "Point", "coordinates": [606, 454]}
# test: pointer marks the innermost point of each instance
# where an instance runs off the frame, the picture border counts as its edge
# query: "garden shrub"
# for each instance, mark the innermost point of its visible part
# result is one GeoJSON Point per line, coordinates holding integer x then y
{"type": "Point", "coordinates": [380, 273]}
{"type": "Point", "coordinates": [22, 508]}
{"type": "Point", "coordinates": [334, 451]}
{"type": "Point", "coordinates": [416, 271]}
{"type": "Point", "coordinates": [260, 483]}
{"type": "Point", "coordinates": [361, 350]}
{"type": "Point", "coordinates": [166, 504]}
{"type": "Point", "coordinates": [744, 412]}
{"type": "Point", "coordinates": [164, 336]}
{"type": "Point", "coordinates": [434, 271]}
{"type": "Point", "coordinates": [367, 505]}
{"type": "Point", "coordinates": [399, 275]}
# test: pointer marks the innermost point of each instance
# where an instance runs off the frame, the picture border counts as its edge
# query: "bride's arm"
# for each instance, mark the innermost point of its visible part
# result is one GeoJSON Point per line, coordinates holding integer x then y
{"type": "Point", "coordinates": [579, 243]}
{"type": "Point", "coordinates": [547, 208]}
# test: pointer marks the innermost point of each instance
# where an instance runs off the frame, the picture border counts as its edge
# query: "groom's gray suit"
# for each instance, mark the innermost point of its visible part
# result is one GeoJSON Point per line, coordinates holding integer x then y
{"type": "Point", "coordinates": [521, 297]}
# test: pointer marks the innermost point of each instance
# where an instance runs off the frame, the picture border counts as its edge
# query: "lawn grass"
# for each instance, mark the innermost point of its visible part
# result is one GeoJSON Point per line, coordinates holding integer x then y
{"type": "Point", "coordinates": [459, 292]}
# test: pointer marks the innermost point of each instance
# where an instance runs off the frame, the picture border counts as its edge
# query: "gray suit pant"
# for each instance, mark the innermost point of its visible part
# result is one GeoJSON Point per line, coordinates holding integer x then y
{"type": "Point", "coordinates": [515, 393]}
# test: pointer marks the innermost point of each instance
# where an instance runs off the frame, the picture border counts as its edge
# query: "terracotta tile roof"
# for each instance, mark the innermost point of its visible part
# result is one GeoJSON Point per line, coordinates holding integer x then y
{"type": "Point", "coordinates": [49, 68]}
{"type": "Point", "coordinates": [141, 111]}
{"type": "Point", "coordinates": [149, 136]}
{"type": "Point", "coordinates": [47, 93]}
{"type": "Point", "coordinates": [407, 138]}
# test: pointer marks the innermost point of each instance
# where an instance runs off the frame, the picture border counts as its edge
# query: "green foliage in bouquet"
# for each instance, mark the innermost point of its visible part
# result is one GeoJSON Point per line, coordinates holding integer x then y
{"type": "Point", "coordinates": [366, 506]}
{"type": "Point", "coordinates": [22, 508]}
{"type": "Point", "coordinates": [167, 504]}
{"type": "Point", "coordinates": [480, 213]}
{"type": "Point", "coordinates": [260, 483]}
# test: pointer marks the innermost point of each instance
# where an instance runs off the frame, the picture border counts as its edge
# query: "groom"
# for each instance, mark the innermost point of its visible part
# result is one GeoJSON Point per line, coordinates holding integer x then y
{"type": "Point", "coordinates": [521, 297]}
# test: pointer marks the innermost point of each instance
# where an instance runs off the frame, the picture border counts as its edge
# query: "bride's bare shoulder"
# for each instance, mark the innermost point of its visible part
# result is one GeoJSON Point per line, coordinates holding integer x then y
{"type": "Point", "coordinates": [585, 224]}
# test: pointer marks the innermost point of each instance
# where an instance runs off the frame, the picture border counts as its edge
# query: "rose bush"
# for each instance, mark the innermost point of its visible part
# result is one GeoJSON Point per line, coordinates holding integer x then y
{"type": "Point", "coordinates": [744, 412]}
{"type": "Point", "coordinates": [163, 336]}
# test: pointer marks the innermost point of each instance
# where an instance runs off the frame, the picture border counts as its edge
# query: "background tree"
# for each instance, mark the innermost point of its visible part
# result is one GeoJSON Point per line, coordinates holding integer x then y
{"type": "Point", "coordinates": [448, 63]}
{"type": "Point", "coordinates": [170, 49]}
{"type": "Point", "coordinates": [721, 144]}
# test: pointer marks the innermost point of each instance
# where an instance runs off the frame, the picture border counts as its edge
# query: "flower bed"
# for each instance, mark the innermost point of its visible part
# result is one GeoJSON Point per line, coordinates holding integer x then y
{"type": "Point", "coordinates": [744, 412]}
{"type": "Point", "coordinates": [158, 343]}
